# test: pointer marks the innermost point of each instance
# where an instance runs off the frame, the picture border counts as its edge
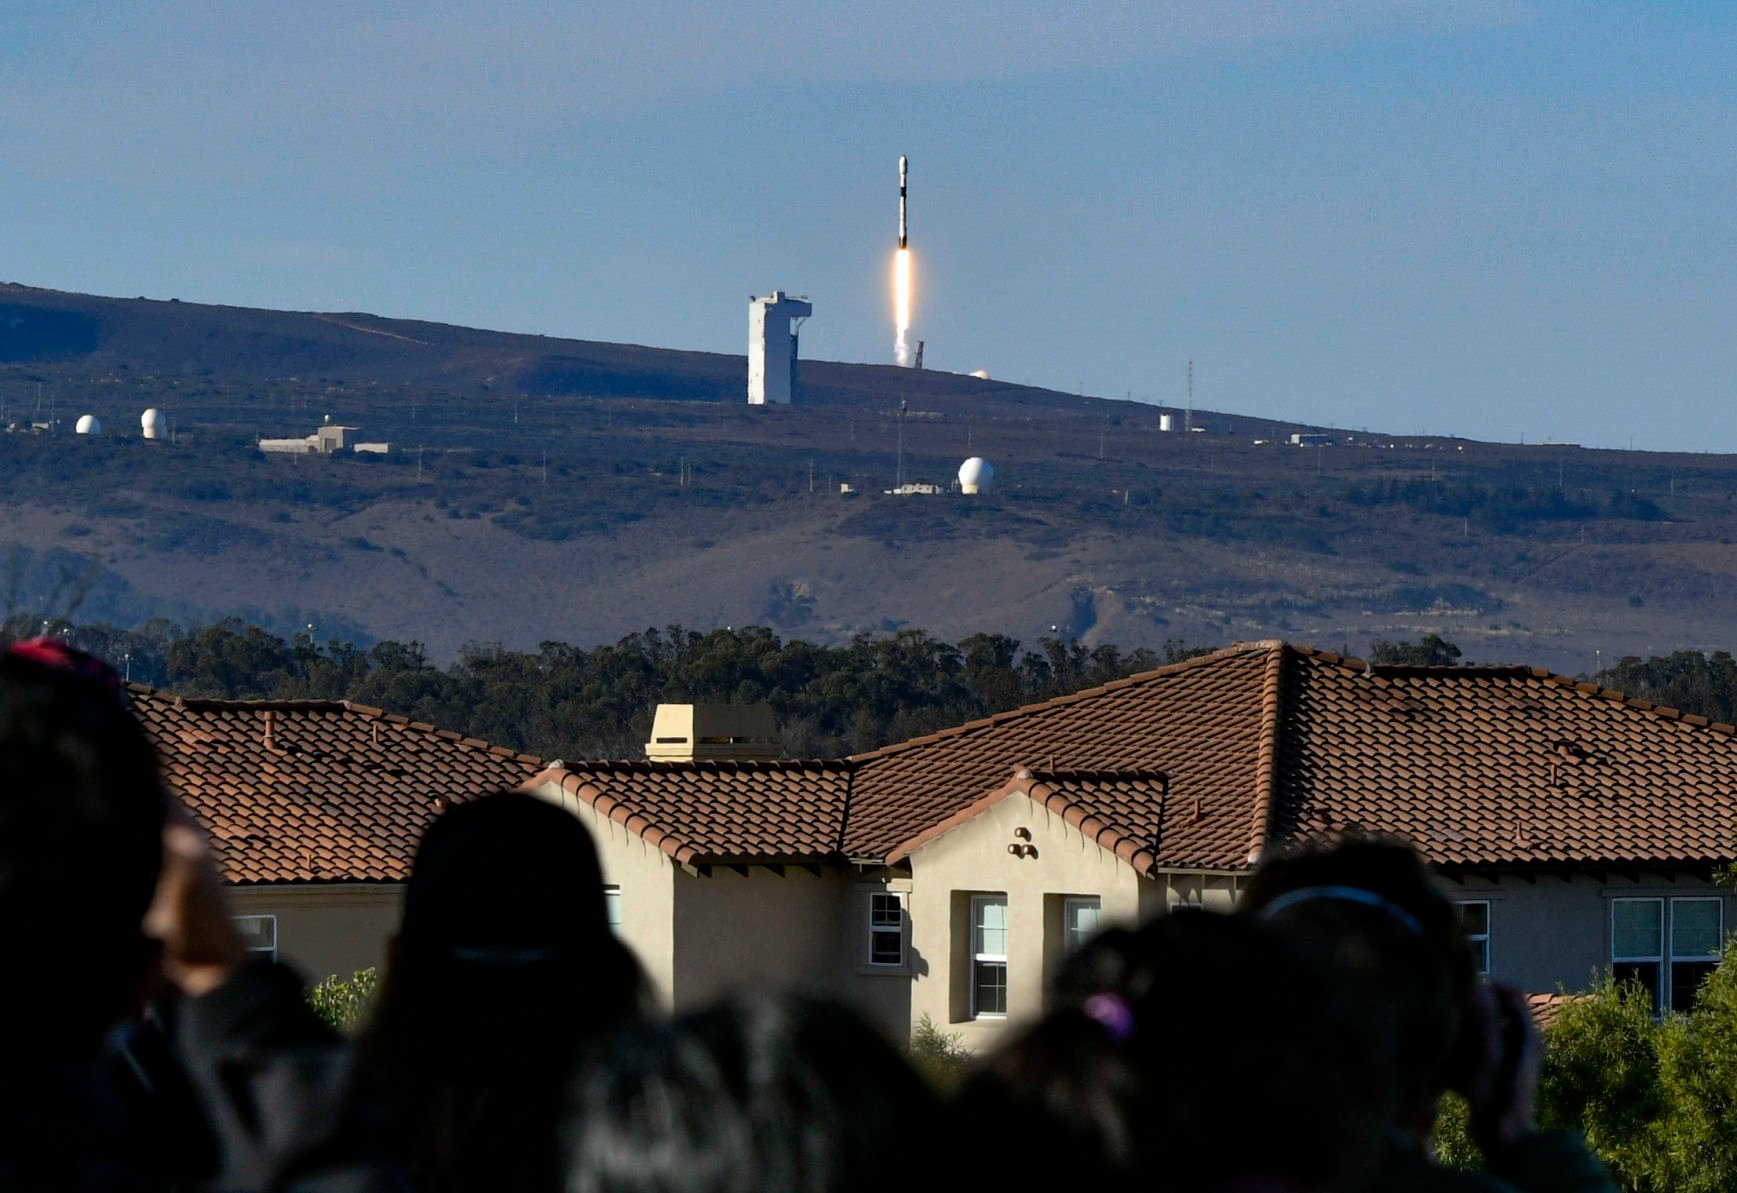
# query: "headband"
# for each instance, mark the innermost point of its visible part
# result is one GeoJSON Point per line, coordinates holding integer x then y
{"type": "Point", "coordinates": [1343, 894]}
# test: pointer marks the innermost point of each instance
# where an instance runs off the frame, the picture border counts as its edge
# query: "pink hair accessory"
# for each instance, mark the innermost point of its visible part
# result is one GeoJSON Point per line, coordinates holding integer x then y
{"type": "Point", "coordinates": [1113, 1012]}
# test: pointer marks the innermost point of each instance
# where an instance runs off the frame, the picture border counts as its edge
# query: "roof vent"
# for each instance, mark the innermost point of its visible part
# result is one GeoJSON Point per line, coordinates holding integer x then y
{"type": "Point", "coordinates": [698, 732]}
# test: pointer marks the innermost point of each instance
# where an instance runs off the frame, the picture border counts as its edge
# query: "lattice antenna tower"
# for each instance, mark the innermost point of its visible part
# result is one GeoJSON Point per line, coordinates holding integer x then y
{"type": "Point", "coordinates": [1188, 415]}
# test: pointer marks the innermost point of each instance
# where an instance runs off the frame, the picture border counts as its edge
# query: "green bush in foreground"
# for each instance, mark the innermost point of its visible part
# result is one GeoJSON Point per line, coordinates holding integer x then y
{"type": "Point", "coordinates": [1656, 1099]}
{"type": "Point", "coordinates": [341, 1001]}
{"type": "Point", "coordinates": [938, 1055]}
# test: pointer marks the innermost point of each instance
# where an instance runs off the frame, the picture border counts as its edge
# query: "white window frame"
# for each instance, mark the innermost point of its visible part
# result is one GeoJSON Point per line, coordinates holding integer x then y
{"type": "Point", "coordinates": [1072, 939]}
{"type": "Point", "coordinates": [981, 958]}
{"type": "Point", "coordinates": [268, 952]}
{"type": "Point", "coordinates": [1667, 958]}
{"type": "Point", "coordinates": [1674, 959]}
{"type": "Point", "coordinates": [878, 903]}
{"type": "Point", "coordinates": [1480, 941]}
{"type": "Point", "coordinates": [612, 908]}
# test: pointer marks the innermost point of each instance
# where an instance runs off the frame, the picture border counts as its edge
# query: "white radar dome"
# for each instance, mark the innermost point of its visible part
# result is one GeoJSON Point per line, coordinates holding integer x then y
{"type": "Point", "coordinates": [980, 374]}
{"type": "Point", "coordinates": [153, 423]}
{"type": "Point", "coordinates": [88, 424]}
{"type": "Point", "coordinates": [975, 475]}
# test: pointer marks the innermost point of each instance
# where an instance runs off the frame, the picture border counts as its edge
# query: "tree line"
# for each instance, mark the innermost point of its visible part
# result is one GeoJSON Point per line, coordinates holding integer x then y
{"type": "Point", "coordinates": [571, 702]}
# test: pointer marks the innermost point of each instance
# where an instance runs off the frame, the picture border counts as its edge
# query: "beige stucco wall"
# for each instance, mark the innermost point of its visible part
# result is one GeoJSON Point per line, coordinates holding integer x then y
{"type": "Point", "coordinates": [1554, 932]}
{"type": "Point", "coordinates": [973, 858]}
{"type": "Point", "coordinates": [645, 876]}
{"type": "Point", "coordinates": [326, 929]}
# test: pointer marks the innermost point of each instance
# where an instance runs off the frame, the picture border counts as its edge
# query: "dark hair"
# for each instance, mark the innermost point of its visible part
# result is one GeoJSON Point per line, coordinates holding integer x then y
{"type": "Point", "coordinates": [1189, 1053]}
{"type": "Point", "coordinates": [759, 1093]}
{"type": "Point", "coordinates": [1408, 963]}
{"type": "Point", "coordinates": [504, 968]}
{"type": "Point", "coordinates": [81, 847]}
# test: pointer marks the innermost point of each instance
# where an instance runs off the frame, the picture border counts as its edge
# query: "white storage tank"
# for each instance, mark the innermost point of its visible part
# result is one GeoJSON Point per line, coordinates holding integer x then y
{"type": "Point", "coordinates": [154, 425]}
{"type": "Point", "coordinates": [1166, 422]}
{"type": "Point", "coordinates": [88, 424]}
{"type": "Point", "coordinates": [975, 475]}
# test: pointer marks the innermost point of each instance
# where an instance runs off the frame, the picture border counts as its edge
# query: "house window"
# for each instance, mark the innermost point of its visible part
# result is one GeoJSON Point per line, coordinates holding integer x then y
{"type": "Point", "coordinates": [1697, 933]}
{"type": "Point", "coordinates": [1669, 946]}
{"type": "Point", "coordinates": [1079, 921]}
{"type": "Point", "coordinates": [988, 956]}
{"type": "Point", "coordinates": [1474, 917]}
{"type": "Point", "coordinates": [886, 929]}
{"type": "Point", "coordinates": [258, 935]}
{"type": "Point", "coordinates": [612, 907]}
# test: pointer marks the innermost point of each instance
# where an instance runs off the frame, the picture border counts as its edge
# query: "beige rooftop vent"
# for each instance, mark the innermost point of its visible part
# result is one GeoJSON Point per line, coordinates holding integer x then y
{"type": "Point", "coordinates": [697, 732]}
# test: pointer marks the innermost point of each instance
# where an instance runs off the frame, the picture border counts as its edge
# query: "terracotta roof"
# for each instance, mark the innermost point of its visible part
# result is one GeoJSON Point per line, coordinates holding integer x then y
{"type": "Point", "coordinates": [1202, 764]}
{"type": "Point", "coordinates": [718, 811]}
{"type": "Point", "coordinates": [1544, 1008]}
{"type": "Point", "coordinates": [1098, 804]}
{"type": "Point", "coordinates": [316, 790]}
{"type": "Point", "coordinates": [1200, 723]}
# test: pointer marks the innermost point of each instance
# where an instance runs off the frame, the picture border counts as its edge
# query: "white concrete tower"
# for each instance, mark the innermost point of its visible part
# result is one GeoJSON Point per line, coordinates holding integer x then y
{"type": "Point", "coordinates": [772, 325]}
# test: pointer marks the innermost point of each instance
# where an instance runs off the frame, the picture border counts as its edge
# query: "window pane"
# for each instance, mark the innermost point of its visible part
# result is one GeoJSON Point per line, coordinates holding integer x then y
{"type": "Point", "coordinates": [1474, 918]}
{"type": "Point", "coordinates": [1646, 973]}
{"type": "Point", "coordinates": [1637, 928]}
{"type": "Point", "coordinates": [1481, 954]}
{"type": "Point", "coordinates": [989, 987]}
{"type": "Point", "coordinates": [1695, 927]}
{"type": "Point", "coordinates": [991, 929]}
{"type": "Point", "coordinates": [258, 933]}
{"type": "Point", "coordinates": [1686, 979]}
{"type": "Point", "coordinates": [884, 911]}
{"type": "Point", "coordinates": [612, 906]}
{"type": "Point", "coordinates": [886, 947]}
{"type": "Point", "coordinates": [1082, 916]}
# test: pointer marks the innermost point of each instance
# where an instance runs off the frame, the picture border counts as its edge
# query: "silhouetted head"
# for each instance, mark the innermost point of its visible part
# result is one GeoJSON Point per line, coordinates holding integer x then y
{"type": "Point", "coordinates": [759, 1093]}
{"type": "Point", "coordinates": [1197, 1053]}
{"type": "Point", "coordinates": [1368, 906]}
{"type": "Point", "coordinates": [504, 968]}
{"type": "Point", "coordinates": [81, 846]}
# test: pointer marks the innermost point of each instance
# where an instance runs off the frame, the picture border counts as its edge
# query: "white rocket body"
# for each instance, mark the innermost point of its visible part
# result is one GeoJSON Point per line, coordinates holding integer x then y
{"type": "Point", "coordinates": [903, 167]}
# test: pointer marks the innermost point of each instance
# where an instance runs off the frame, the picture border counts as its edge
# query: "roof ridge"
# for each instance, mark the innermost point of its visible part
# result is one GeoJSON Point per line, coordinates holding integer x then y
{"type": "Point", "coordinates": [1131, 774]}
{"type": "Point", "coordinates": [1267, 755]}
{"type": "Point", "coordinates": [1235, 649]}
{"type": "Point", "coordinates": [1586, 688]}
{"type": "Point", "coordinates": [664, 765]}
{"type": "Point", "coordinates": [308, 704]}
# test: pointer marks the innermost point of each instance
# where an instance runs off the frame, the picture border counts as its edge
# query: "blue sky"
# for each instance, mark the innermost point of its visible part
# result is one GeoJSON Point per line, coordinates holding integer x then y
{"type": "Point", "coordinates": [1487, 218]}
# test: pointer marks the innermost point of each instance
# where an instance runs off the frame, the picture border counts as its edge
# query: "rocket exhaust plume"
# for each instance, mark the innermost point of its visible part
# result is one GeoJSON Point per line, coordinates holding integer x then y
{"type": "Point", "coordinates": [902, 281]}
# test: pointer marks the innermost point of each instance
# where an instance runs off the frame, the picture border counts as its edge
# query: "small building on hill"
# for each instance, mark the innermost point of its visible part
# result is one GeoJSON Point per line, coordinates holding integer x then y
{"type": "Point", "coordinates": [315, 808]}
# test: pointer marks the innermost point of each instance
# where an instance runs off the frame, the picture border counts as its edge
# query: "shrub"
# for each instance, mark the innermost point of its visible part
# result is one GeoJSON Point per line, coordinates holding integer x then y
{"type": "Point", "coordinates": [341, 1001]}
{"type": "Point", "coordinates": [938, 1055]}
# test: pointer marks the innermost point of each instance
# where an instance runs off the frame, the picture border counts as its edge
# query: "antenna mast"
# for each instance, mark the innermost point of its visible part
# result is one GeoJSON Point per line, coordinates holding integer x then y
{"type": "Point", "coordinates": [1188, 418]}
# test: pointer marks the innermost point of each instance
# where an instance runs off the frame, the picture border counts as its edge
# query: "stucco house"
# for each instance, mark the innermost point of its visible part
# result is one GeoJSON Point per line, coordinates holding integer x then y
{"type": "Point", "coordinates": [1578, 830]}
{"type": "Point", "coordinates": [315, 808]}
{"type": "Point", "coordinates": [945, 876]}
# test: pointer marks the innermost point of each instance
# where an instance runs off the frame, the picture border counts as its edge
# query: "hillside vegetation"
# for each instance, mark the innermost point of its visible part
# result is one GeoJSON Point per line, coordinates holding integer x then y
{"type": "Point", "coordinates": [545, 489]}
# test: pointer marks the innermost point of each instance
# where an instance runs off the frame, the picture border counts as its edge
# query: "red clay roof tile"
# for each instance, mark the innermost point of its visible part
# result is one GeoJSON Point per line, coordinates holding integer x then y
{"type": "Point", "coordinates": [341, 793]}
{"type": "Point", "coordinates": [1480, 765]}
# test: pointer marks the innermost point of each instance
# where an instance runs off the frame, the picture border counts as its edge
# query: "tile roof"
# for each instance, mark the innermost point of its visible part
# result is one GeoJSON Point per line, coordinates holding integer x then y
{"type": "Point", "coordinates": [316, 790]}
{"type": "Point", "coordinates": [1201, 764]}
{"type": "Point", "coordinates": [1545, 1008]}
{"type": "Point", "coordinates": [718, 811]}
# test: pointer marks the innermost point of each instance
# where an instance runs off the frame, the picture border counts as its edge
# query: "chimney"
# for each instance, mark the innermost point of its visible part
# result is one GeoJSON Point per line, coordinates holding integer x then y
{"type": "Point", "coordinates": [707, 732]}
{"type": "Point", "coordinates": [270, 729]}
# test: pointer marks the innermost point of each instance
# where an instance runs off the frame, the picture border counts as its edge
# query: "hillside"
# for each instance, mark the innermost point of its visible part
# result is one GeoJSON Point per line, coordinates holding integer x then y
{"type": "Point", "coordinates": [554, 489]}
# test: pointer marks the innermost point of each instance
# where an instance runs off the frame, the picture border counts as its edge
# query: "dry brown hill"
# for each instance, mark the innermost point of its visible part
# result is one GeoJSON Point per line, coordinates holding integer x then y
{"type": "Point", "coordinates": [559, 489]}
